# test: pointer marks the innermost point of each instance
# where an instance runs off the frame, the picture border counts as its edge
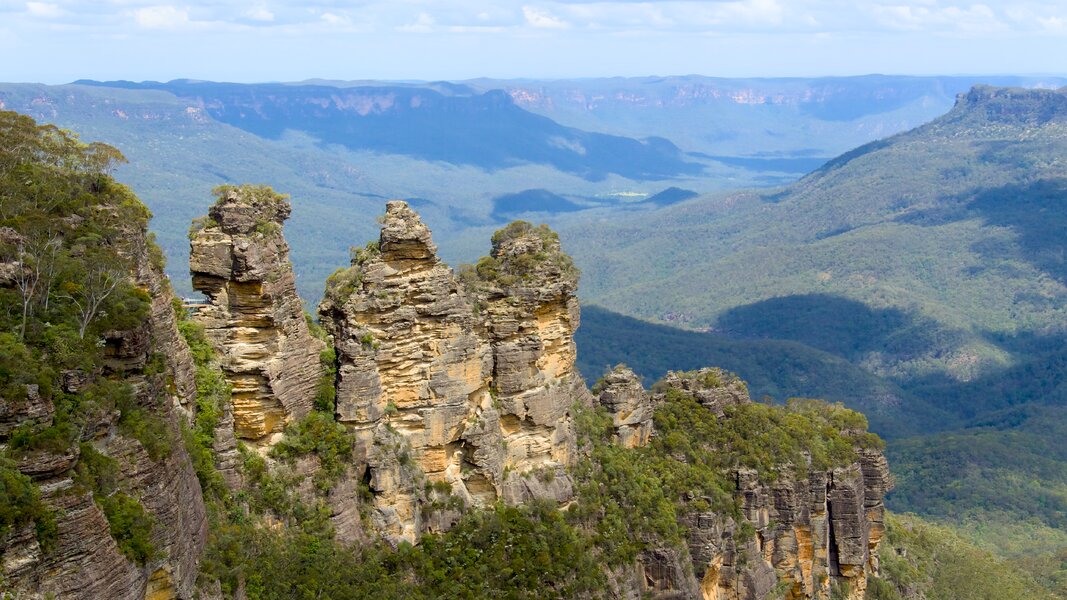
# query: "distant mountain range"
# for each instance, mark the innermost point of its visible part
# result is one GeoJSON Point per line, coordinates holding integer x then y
{"type": "Point", "coordinates": [486, 130]}
{"type": "Point", "coordinates": [473, 153]}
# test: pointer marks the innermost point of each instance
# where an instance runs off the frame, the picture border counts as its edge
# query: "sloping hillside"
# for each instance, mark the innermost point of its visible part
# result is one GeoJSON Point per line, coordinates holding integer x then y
{"type": "Point", "coordinates": [933, 258]}
{"type": "Point", "coordinates": [933, 261]}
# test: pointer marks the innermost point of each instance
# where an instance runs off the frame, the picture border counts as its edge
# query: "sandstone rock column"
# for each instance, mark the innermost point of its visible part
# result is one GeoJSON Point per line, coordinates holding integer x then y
{"type": "Point", "coordinates": [413, 373]}
{"type": "Point", "coordinates": [621, 393]}
{"type": "Point", "coordinates": [526, 289]}
{"type": "Point", "coordinates": [255, 320]}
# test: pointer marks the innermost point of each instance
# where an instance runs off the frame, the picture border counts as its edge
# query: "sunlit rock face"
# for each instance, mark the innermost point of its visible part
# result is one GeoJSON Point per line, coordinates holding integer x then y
{"type": "Point", "coordinates": [620, 392]}
{"type": "Point", "coordinates": [469, 391]}
{"type": "Point", "coordinates": [254, 317]}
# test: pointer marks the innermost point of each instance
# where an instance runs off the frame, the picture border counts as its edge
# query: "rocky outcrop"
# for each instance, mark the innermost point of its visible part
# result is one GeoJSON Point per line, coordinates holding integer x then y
{"type": "Point", "coordinates": [810, 534]}
{"type": "Point", "coordinates": [714, 388]}
{"type": "Point", "coordinates": [798, 536]}
{"type": "Point", "coordinates": [448, 389]}
{"type": "Point", "coordinates": [620, 392]}
{"type": "Point", "coordinates": [989, 105]}
{"type": "Point", "coordinates": [255, 320]}
{"type": "Point", "coordinates": [526, 289]}
{"type": "Point", "coordinates": [85, 561]}
{"type": "Point", "coordinates": [413, 374]}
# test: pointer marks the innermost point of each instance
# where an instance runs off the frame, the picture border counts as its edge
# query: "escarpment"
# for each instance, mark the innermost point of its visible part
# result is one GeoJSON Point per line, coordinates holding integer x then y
{"type": "Point", "coordinates": [444, 386]}
{"type": "Point", "coordinates": [105, 497]}
{"type": "Point", "coordinates": [85, 560]}
{"type": "Point", "coordinates": [254, 318]}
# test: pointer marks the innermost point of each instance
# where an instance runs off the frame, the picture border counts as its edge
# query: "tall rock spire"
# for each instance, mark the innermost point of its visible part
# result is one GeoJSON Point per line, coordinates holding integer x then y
{"type": "Point", "coordinates": [240, 261]}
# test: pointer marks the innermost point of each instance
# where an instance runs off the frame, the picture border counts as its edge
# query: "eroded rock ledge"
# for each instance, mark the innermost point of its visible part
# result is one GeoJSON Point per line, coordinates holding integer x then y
{"type": "Point", "coordinates": [254, 318]}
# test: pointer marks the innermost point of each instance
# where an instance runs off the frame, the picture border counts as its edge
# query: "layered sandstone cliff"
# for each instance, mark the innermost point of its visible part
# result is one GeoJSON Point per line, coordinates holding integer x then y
{"type": "Point", "coordinates": [525, 288]}
{"type": "Point", "coordinates": [84, 560]}
{"type": "Point", "coordinates": [254, 318]}
{"type": "Point", "coordinates": [468, 391]}
{"type": "Point", "coordinates": [620, 393]}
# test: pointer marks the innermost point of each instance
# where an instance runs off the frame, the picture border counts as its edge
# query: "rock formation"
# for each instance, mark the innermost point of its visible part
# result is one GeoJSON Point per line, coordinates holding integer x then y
{"type": "Point", "coordinates": [240, 261]}
{"type": "Point", "coordinates": [440, 385]}
{"type": "Point", "coordinates": [809, 532]}
{"type": "Point", "coordinates": [525, 288]}
{"type": "Point", "coordinates": [714, 388]}
{"type": "Point", "coordinates": [630, 406]}
{"type": "Point", "coordinates": [85, 561]}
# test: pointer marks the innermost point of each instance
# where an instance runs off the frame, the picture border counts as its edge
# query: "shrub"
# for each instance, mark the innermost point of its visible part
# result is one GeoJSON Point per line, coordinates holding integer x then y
{"type": "Point", "coordinates": [130, 524]}
{"type": "Point", "coordinates": [343, 283]}
{"type": "Point", "coordinates": [358, 256]}
{"type": "Point", "coordinates": [318, 434]}
{"type": "Point", "coordinates": [20, 504]}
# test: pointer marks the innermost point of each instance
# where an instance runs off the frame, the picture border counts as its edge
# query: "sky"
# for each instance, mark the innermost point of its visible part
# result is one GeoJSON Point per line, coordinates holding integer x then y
{"type": "Point", "coordinates": [58, 41]}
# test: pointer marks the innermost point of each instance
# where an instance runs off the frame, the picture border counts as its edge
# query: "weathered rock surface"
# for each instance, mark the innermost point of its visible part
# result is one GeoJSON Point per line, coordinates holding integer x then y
{"type": "Point", "coordinates": [413, 373]}
{"type": "Point", "coordinates": [630, 406]}
{"type": "Point", "coordinates": [255, 319]}
{"type": "Point", "coordinates": [86, 561]}
{"type": "Point", "coordinates": [809, 533]}
{"type": "Point", "coordinates": [531, 314]}
{"type": "Point", "coordinates": [444, 386]}
{"type": "Point", "coordinates": [713, 387]}
{"type": "Point", "coordinates": [33, 409]}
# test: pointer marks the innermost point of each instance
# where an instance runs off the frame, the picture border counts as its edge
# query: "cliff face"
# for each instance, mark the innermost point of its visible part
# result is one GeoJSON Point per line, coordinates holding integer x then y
{"type": "Point", "coordinates": [526, 289]}
{"type": "Point", "coordinates": [809, 534]}
{"type": "Point", "coordinates": [441, 386]}
{"type": "Point", "coordinates": [85, 561]}
{"type": "Point", "coordinates": [255, 320]}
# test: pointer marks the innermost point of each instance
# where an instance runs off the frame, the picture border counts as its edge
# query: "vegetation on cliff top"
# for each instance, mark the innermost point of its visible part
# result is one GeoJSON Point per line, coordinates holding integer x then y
{"type": "Point", "coordinates": [634, 498]}
{"type": "Point", "coordinates": [629, 500]}
{"type": "Point", "coordinates": [507, 266]}
{"type": "Point", "coordinates": [71, 238]}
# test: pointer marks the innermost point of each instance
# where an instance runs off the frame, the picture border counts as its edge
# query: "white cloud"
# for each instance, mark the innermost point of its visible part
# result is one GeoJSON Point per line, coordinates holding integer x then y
{"type": "Point", "coordinates": [161, 17]}
{"type": "Point", "coordinates": [1053, 23]}
{"type": "Point", "coordinates": [45, 10]}
{"type": "Point", "coordinates": [541, 19]}
{"type": "Point", "coordinates": [260, 13]}
{"type": "Point", "coordinates": [754, 11]}
{"type": "Point", "coordinates": [424, 23]}
{"type": "Point", "coordinates": [978, 18]}
{"type": "Point", "coordinates": [335, 19]}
